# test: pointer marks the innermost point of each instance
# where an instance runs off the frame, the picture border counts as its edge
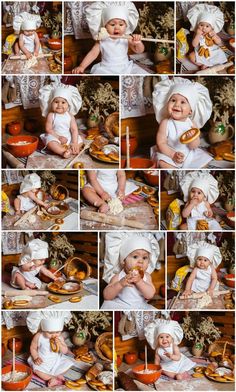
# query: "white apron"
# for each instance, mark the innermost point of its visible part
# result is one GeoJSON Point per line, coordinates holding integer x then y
{"type": "Point", "coordinates": [29, 43]}
{"type": "Point", "coordinates": [182, 365]}
{"type": "Point", "coordinates": [203, 280]}
{"type": "Point", "coordinates": [61, 125]}
{"type": "Point", "coordinates": [197, 213]}
{"type": "Point", "coordinates": [194, 159]}
{"type": "Point", "coordinates": [26, 203]}
{"type": "Point", "coordinates": [53, 363]}
{"type": "Point", "coordinates": [128, 298]}
{"type": "Point", "coordinates": [115, 60]}
{"type": "Point", "coordinates": [30, 276]}
{"type": "Point", "coordinates": [217, 55]}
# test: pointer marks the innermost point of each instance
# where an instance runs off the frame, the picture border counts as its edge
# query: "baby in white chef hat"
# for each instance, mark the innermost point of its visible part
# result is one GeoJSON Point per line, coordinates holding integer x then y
{"type": "Point", "coordinates": [206, 21]}
{"type": "Point", "coordinates": [204, 259]}
{"type": "Point", "coordinates": [32, 259]}
{"type": "Point", "coordinates": [129, 260]}
{"type": "Point", "coordinates": [108, 21]}
{"type": "Point", "coordinates": [27, 198]}
{"type": "Point", "coordinates": [59, 103]}
{"type": "Point", "coordinates": [180, 105]}
{"type": "Point", "coordinates": [47, 327]}
{"type": "Point", "coordinates": [28, 43]}
{"type": "Point", "coordinates": [164, 336]}
{"type": "Point", "coordinates": [200, 190]}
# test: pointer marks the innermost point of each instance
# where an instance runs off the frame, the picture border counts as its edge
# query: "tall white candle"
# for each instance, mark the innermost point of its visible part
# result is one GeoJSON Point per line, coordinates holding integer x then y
{"type": "Point", "coordinates": [127, 148]}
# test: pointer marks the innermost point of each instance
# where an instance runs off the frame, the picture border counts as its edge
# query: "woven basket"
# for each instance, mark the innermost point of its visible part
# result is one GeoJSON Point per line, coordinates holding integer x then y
{"type": "Point", "coordinates": [112, 124]}
{"type": "Point", "coordinates": [59, 192]}
{"type": "Point", "coordinates": [107, 338]}
{"type": "Point", "coordinates": [62, 206]}
{"type": "Point", "coordinates": [75, 265]}
{"type": "Point", "coordinates": [219, 345]}
{"type": "Point", "coordinates": [40, 194]}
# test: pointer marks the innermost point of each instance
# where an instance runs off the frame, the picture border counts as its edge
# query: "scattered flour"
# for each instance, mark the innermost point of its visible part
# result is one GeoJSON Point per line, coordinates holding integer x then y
{"type": "Point", "coordinates": [115, 206]}
{"type": "Point", "coordinates": [31, 62]}
{"type": "Point", "coordinates": [204, 301]}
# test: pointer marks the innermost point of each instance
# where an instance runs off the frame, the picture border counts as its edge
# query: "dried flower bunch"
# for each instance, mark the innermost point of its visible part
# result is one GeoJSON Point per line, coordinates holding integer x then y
{"type": "Point", "coordinates": [52, 22]}
{"type": "Point", "coordinates": [228, 251]}
{"type": "Point", "coordinates": [200, 329]}
{"type": "Point", "coordinates": [229, 12]}
{"type": "Point", "coordinates": [99, 99]}
{"type": "Point", "coordinates": [47, 179]}
{"type": "Point", "coordinates": [226, 185]}
{"type": "Point", "coordinates": [92, 322]}
{"type": "Point", "coordinates": [60, 248]}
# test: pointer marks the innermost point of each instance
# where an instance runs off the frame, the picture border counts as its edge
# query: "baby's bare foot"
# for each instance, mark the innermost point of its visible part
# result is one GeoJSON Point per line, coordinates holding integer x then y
{"type": "Point", "coordinates": [103, 208]}
{"type": "Point", "coordinates": [55, 381]}
{"type": "Point", "coordinates": [204, 67]}
{"type": "Point", "coordinates": [67, 154]}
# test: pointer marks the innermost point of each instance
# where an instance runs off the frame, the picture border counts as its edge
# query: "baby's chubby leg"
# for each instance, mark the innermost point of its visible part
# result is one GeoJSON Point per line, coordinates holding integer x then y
{"type": "Point", "coordinates": [165, 165]}
{"type": "Point", "coordinates": [52, 380]}
{"type": "Point", "coordinates": [93, 198]}
{"type": "Point", "coordinates": [192, 58]}
{"type": "Point", "coordinates": [17, 205]}
{"type": "Point", "coordinates": [59, 149]}
{"type": "Point", "coordinates": [20, 281]}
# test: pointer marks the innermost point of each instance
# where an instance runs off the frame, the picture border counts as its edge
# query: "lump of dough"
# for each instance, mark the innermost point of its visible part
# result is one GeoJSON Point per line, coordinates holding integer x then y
{"type": "Point", "coordinates": [204, 301]}
{"type": "Point", "coordinates": [115, 206]}
{"type": "Point", "coordinates": [31, 62]}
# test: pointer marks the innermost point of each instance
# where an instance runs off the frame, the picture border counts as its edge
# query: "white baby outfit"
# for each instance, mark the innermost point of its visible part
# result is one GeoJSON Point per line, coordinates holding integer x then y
{"type": "Point", "coordinates": [61, 125]}
{"type": "Point", "coordinates": [53, 363]}
{"type": "Point", "coordinates": [182, 365]}
{"type": "Point", "coordinates": [30, 276]}
{"type": "Point", "coordinates": [128, 298]}
{"type": "Point", "coordinates": [29, 43]}
{"type": "Point", "coordinates": [203, 280]}
{"type": "Point", "coordinates": [197, 213]}
{"type": "Point", "coordinates": [26, 203]}
{"type": "Point", "coordinates": [115, 58]}
{"type": "Point", "coordinates": [217, 55]}
{"type": "Point", "coordinates": [193, 158]}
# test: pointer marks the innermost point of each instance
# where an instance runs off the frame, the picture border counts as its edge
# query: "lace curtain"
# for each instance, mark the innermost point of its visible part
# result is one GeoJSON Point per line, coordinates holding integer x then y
{"type": "Point", "coordinates": [75, 21]}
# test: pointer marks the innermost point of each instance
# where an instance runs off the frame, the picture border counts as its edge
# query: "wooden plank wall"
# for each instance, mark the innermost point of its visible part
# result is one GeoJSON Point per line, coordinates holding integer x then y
{"type": "Point", "coordinates": [68, 178]}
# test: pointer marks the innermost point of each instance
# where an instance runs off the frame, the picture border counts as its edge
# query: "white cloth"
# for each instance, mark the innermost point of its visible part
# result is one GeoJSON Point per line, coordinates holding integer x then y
{"type": "Point", "coordinates": [30, 276]}
{"type": "Point", "coordinates": [61, 124]}
{"type": "Point", "coordinates": [26, 21]}
{"type": "Point", "coordinates": [203, 248]}
{"type": "Point", "coordinates": [159, 326]}
{"type": "Point", "coordinates": [114, 242]}
{"type": "Point", "coordinates": [34, 319]}
{"type": "Point", "coordinates": [115, 60]}
{"type": "Point", "coordinates": [51, 91]}
{"type": "Point", "coordinates": [216, 54]}
{"type": "Point", "coordinates": [196, 94]}
{"type": "Point", "coordinates": [35, 249]}
{"type": "Point", "coordinates": [208, 14]}
{"type": "Point", "coordinates": [196, 158]}
{"type": "Point", "coordinates": [197, 213]}
{"type": "Point", "coordinates": [30, 181]}
{"type": "Point", "coordinates": [182, 365]}
{"type": "Point", "coordinates": [128, 298]}
{"type": "Point", "coordinates": [133, 243]}
{"type": "Point", "coordinates": [53, 363]}
{"type": "Point", "coordinates": [98, 13]}
{"type": "Point", "coordinates": [202, 180]}
{"type": "Point", "coordinates": [26, 203]}
{"type": "Point", "coordinates": [203, 280]}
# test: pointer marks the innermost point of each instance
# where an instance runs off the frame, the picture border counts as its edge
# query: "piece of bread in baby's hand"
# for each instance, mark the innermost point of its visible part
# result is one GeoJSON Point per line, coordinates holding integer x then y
{"type": "Point", "coordinates": [137, 270]}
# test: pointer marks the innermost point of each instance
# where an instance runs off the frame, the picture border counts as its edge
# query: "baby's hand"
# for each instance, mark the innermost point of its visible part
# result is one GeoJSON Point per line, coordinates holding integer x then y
{"type": "Point", "coordinates": [178, 157]}
{"type": "Point", "coordinates": [62, 139]}
{"type": "Point", "coordinates": [186, 293]}
{"type": "Point", "coordinates": [105, 196]}
{"type": "Point", "coordinates": [194, 202]}
{"type": "Point", "coordinates": [125, 282]}
{"type": "Point", "coordinates": [136, 38]}
{"type": "Point", "coordinates": [210, 292]}
{"type": "Point", "coordinates": [28, 55]}
{"type": "Point", "coordinates": [38, 361]}
{"type": "Point", "coordinates": [75, 148]}
{"type": "Point", "coordinates": [168, 355]}
{"type": "Point", "coordinates": [199, 32]}
{"type": "Point", "coordinates": [212, 34]}
{"type": "Point", "coordinates": [208, 214]}
{"type": "Point", "coordinates": [78, 70]}
{"type": "Point", "coordinates": [36, 53]}
{"type": "Point", "coordinates": [120, 195]}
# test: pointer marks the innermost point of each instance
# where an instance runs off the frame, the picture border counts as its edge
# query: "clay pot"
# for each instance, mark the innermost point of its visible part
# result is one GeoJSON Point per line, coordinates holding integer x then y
{"type": "Point", "coordinates": [229, 205]}
{"type": "Point", "coordinates": [164, 67]}
{"type": "Point", "coordinates": [14, 128]}
{"type": "Point", "coordinates": [197, 350]}
{"type": "Point", "coordinates": [55, 34]}
{"type": "Point", "coordinates": [18, 345]}
{"type": "Point", "coordinates": [219, 132]}
{"type": "Point", "coordinates": [92, 121]}
{"type": "Point", "coordinates": [118, 360]}
{"type": "Point", "coordinates": [133, 144]}
{"type": "Point", "coordinates": [230, 29]}
{"type": "Point", "coordinates": [68, 62]}
{"type": "Point", "coordinates": [131, 357]}
{"type": "Point", "coordinates": [80, 338]}
{"type": "Point", "coordinates": [30, 125]}
{"type": "Point", "coordinates": [162, 53]}
{"type": "Point", "coordinates": [147, 378]}
{"type": "Point", "coordinates": [138, 163]}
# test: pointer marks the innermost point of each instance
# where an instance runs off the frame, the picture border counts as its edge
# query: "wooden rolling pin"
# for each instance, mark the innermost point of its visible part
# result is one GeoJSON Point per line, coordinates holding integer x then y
{"type": "Point", "coordinates": [12, 161]}
{"type": "Point", "coordinates": [23, 56]}
{"type": "Point", "coordinates": [31, 293]}
{"type": "Point", "coordinates": [110, 219]}
{"type": "Point", "coordinates": [200, 295]}
{"type": "Point", "coordinates": [25, 216]}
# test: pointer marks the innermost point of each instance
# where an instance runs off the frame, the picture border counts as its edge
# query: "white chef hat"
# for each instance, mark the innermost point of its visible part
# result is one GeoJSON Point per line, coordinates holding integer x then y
{"type": "Point", "coordinates": [159, 326]}
{"type": "Point", "coordinates": [202, 180]}
{"type": "Point", "coordinates": [51, 91]}
{"type": "Point", "coordinates": [26, 21]}
{"type": "Point", "coordinates": [119, 245]}
{"type": "Point", "coordinates": [100, 12]}
{"type": "Point", "coordinates": [203, 248]}
{"type": "Point", "coordinates": [208, 14]}
{"type": "Point", "coordinates": [196, 94]}
{"type": "Point", "coordinates": [30, 181]}
{"type": "Point", "coordinates": [34, 249]}
{"type": "Point", "coordinates": [47, 321]}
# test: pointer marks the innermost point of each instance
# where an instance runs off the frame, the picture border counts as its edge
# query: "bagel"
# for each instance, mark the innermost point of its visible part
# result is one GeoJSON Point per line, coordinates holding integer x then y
{"type": "Point", "coordinates": [75, 299]}
{"type": "Point", "coordinates": [56, 227]}
{"type": "Point", "coordinates": [153, 201]}
{"type": "Point", "coordinates": [137, 191]}
{"type": "Point", "coordinates": [54, 346]}
{"type": "Point", "coordinates": [8, 304]}
{"type": "Point", "coordinates": [139, 269]}
{"type": "Point", "coordinates": [96, 383]}
{"type": "Point", "coordinates": [78, 165]}
{"type": "Point", "coordinates": [104, 157]}
{"type": "Point", "coordinates": [73, 385]}
{"type": "Point", "coordinates": [59, 221]}
{"type": "Point", "coordinates": [198, 375]}
{"type": "Point", "coordinates": [229, 377]}
{"type": "Point", "coordinates": [199, 369]}
{"type": "Point", "coordinates": [229, 157]}
{"type": "Point", "coordinates": [184, 139]}
{"type": "Point", "coordinates": [81, 381]}
{"type": "Point", "coordinates": [21, 302]}
{"type": "Point", "coordinates": [148, 190]}
{"type": "Point", "coordinates": [54, 298]}
{"type": "Point", "coordinates": [156, 210]}
{"type": "Point", "coordinates": [221, 379]}
{"type": "Point", "coordinates": [114, 156]}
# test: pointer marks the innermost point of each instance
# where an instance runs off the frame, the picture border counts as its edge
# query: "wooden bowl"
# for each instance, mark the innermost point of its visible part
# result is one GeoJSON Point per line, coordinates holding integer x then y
{"type": "Point", "coordinates": [152, 177]}
{"type": "Point", "coordinates": [19, 385]}
{"type": "Point", "coordinates": [55, 43]}
{"type": "Point", "coordinates": [147, 378]}
{"type": "Point", "coordinates": [138, 163]}
{"type": "Point", "coordinates": [230, 280]}
{"type": "Point", "coordinates": [22, 150]}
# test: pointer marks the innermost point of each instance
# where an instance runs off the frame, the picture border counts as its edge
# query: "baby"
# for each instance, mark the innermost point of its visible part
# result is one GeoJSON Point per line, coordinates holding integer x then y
{"type": "Point", "coordinates": [204, 259]}
{"type": "Point", "coordinates": [28, 42]}
{"type": "Point", "coordinates": [59, 103]}
{"type": "Point", "coordinates": [164, 336]}
{"type": "Point", "coordinates": [180, 106]}
{"type": "Point", "coordinates": [28, 197]}
{"type": "Point", "coordinates": [48, 347]}
{"type": "Point", "coordinates": [200, 190]}
{"type": "Point", "coordinates": [206, 21]}
{"type": "Point", "coordinates": [129, 257]}
{"type": "Point", "coordinates": [108, 22]}
{"type": "Point", "coordinates": [31, 262]}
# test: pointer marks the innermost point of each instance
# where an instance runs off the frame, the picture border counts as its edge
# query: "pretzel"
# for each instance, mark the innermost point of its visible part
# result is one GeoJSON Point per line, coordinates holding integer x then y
{"type": "Point", "coordinates": [20, 302]}
{"type": "Point", "coordinates": [148, 190]}
{"type": "Point", "coordinates": [54, 346]}
{"type": "Point", "coordinates": [184, 139]}
{"type": "Point", "coordinates": [208, 40]}
{"type": "Point", "coordinates": [54, 298]}
{"type": "Point", "coordinates": [73, 385]}
{"type": "Point", "coordinates": [75, 299]}
{"type": "Point", "coordinates": [137, 191]}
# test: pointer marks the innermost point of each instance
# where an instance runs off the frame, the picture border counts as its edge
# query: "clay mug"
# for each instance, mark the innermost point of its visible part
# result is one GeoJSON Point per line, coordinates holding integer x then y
{"type": "Point", "coordinates": [14, 128]}
{"type": "Point", "coordinates": [220, 132]}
